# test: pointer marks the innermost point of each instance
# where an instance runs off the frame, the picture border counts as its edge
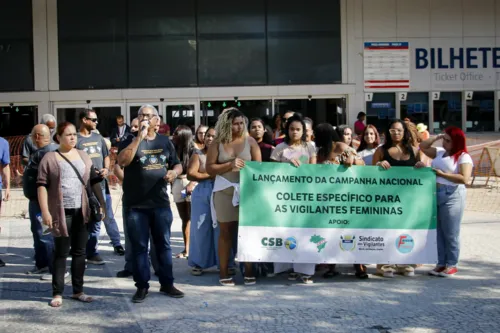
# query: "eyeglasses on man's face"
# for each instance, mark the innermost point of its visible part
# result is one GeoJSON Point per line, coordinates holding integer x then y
{"type": "Point", "coordinates": [92, 119]}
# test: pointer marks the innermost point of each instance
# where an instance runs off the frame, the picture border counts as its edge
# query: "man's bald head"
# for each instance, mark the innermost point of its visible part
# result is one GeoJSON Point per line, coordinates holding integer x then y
{"type": "Point", "coordinates": [40, 134]}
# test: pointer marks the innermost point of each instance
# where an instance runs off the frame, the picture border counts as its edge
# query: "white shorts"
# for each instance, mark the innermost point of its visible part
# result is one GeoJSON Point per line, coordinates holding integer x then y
{"type": "Point", "coordinates": [177, 187]}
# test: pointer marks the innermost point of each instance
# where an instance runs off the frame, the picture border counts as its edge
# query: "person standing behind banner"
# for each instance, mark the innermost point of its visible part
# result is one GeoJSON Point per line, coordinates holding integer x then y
{"type": "Point", "coordinates": [297, 151]}
{"type": "Point", "coordinates": [331, 150]}
{"type": "Point", "coordinates": [359, 125]}
{"type": "Point", "coordinates": [453, 167]}
{"type": "Point", "coordinates": [225, 158]}
{"type": "Point", "coordinates": [64, 204]}
{"type": "Point", "coordinates": [397, 151]}
{"type": "Point", "coordinates": [150, 163]}
{"type": "Point", "coordinates": [199, 137]}
{"type": "Point", "coordinates": [370, 140]}
{"type": "Point", "coordinates": [258, 131]}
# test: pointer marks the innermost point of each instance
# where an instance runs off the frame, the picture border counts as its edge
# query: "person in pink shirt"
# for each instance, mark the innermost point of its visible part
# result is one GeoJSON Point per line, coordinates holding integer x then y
{"type": "Point", "coordinates": [359, 125]}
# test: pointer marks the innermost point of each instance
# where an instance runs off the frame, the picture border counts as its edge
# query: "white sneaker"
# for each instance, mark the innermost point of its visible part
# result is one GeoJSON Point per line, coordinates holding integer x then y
{"type": "Point", "coordinates": [48, 277]}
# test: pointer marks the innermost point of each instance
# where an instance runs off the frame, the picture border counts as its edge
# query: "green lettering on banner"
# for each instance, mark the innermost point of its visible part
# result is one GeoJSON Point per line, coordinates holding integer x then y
{"type": "Point", "coordinates": [333, 196]}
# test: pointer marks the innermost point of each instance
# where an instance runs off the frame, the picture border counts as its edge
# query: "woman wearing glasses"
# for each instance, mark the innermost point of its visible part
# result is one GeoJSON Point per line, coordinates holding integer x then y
{"type": "Point", "coordinates": [397, 152]}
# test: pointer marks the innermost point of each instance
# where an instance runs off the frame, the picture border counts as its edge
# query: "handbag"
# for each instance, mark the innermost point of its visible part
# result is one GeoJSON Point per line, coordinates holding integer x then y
{"type": "Point", "coordinates": [94, 205]}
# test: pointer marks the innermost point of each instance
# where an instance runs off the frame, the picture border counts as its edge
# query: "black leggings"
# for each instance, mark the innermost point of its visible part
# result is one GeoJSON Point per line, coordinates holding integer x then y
{"type": "Point", "coordinates": [77, 241]}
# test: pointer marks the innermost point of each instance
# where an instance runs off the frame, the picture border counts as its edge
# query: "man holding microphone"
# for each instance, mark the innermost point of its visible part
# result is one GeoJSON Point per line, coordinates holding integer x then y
{"type": "Point", "coordinates": [150, 163]}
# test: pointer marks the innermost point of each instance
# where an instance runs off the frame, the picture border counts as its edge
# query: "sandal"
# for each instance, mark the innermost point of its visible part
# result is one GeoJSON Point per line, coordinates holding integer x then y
{"type": "Point", "coordinates": [250, 281]}
{"type": "Point", "coordinates": [56, 302]}
{"type": "Point", "coordinates": [83, 298]}
{"type": "Point", "coordinates": [196, 271]}
{"type": "Point", "coordinates": [227, 282]}
{"type": "Point", "coordinates": [307, 279]}
{"type": "Point", "coordinates": [330, 274]}
{"type": "Point", "coordinates": [181, 255]}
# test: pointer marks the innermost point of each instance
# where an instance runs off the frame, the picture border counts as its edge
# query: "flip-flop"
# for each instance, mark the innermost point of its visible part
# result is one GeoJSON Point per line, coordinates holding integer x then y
{"type": "Point", "coordinates": [250, 281]}
{"type": "Point", "coordinates": [83, 298]}
{"type": "Point", "coordinates": [56, 302]}
{"type": "Point", "coordinates": [227, 282]}
{"type": "Point", "coordinates": [181, 255]}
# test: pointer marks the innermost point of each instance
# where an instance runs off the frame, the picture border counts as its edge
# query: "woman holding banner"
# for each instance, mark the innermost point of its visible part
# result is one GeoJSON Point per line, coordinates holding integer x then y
{"type": "Point", "coordinates": [453, 167]}
{"type": "Point", "coordinates": [331, 150]}
{"type": "Point", "coordinates": [397, 151]}
{"type": "Point", "coordinates": [225, 158]}
{"type": "Point", "coordinates": [297, 151]}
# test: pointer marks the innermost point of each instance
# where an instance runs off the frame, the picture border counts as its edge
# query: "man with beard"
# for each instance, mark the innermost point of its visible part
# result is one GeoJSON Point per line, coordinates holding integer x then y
{"type": "Point", "coordinates": [95, 146]}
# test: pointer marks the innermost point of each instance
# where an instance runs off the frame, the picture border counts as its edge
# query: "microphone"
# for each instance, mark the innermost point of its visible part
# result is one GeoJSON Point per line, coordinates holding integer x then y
{"type": "Point", "coordinates": [144, 127]}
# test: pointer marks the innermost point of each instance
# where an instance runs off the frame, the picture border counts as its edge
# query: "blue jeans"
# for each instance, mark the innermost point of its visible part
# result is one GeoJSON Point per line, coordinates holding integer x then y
{"type": "Point", "coordinates": [451, 204]}
{"type": "Point", "coordinates": [129, 266]}
{"type": "Point", "coordinates": [140, 224]}
{"type": "Point", "coordinates": [44, 244]}
{"type": "Point", "coordinates": [110, 222]}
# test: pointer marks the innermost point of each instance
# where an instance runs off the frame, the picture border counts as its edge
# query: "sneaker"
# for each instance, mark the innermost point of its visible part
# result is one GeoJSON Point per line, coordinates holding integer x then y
{"type": "Point", "coordinates": [48, 277]}
{"type": "Point", "coordinates": [95, 260]}
{"type": "Point", "coordinates": [37, 270]}
{"type": "Point", "coordinates": [171, 291]}
{"type": "Point", "coordinates": [2, 263]}
{"type": "Point", "coordinates": [119, 250]}
{"type": "Point", "coordinates": [140, 295]}
{"type": "Point", "coordinates": [292, 276]}
{"type": "Point", "coordinates": [124, 274]}
{"type": "Point", "coordinates": [449, 271]}
{"type": "Point", "coordinates": [437, 270]}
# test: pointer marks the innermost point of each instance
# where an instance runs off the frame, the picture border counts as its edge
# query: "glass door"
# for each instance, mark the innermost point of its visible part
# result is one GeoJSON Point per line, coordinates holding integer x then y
{"type": "Point", "coordinates": [106, 115]}
{"type": "Point", "coordinates": [181, 113]}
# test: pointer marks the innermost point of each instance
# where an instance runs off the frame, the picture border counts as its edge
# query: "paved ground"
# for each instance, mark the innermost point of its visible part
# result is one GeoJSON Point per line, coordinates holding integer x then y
{"type": "Point", "coordinates": [468, 303]}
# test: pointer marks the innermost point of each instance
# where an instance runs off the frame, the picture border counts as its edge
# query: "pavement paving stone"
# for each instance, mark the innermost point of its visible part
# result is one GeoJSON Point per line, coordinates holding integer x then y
{"type": "Point", "coordinates": [470, 302]}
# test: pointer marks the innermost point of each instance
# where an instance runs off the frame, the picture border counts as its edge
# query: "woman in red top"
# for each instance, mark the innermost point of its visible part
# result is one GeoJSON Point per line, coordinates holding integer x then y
{"type": "Point", "coordinates": [359, 125]}
{"type": "Point", "coordinates": [258, 131]}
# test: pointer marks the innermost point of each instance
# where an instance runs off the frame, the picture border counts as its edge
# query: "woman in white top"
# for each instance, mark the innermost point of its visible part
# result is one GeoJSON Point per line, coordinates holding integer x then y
{"type": "Point", "coordinates": [297, 151]}
{"type": "Point", "coordinates": [453, 167]}
{"type": "Point", "coordinates": [370, 140]}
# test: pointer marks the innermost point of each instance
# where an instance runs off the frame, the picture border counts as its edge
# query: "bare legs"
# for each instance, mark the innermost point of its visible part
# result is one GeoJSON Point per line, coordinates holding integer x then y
{"type": "Point", "coordinates": [184, 209]}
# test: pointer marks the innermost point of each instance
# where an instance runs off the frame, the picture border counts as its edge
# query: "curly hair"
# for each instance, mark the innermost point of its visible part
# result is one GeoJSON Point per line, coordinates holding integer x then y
{"type": "Point", "coordinates": [406, 141]}
{"type": "Point", "coordinates": [223, 127]}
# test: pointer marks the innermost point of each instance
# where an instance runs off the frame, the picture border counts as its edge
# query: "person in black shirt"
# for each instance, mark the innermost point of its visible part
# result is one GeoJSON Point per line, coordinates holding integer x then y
{"type": "Point", "coordinates": [150, 163]}
{"type": "Point", "coordinates": [44, 243]}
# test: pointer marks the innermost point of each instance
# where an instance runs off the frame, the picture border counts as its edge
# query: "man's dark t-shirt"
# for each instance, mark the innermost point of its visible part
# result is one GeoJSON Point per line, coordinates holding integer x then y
{"type": "Point", "coordinates": [28, 147]}
{"type": "Point", "coordinates": [95, 146]}
{"type": "Point", "coordinates": [31, 172]}
{"type": "Point", "coordinates": [143, 183]}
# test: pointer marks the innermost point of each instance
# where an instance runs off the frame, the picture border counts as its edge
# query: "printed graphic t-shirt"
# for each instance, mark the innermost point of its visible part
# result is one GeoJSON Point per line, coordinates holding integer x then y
{"type": "Point", "coordinates": [95, 146]}
{"type": "Point", "coordinates": [143, 183]}
{"type": "Point", "coordinates": [286, 153]}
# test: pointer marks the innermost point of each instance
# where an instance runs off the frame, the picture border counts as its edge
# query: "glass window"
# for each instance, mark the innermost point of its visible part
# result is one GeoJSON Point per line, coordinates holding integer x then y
{"type": "Point", "coordinates": [448, 111]}
{"type": "Point", "coordinates": [416, 108]}
{"type": "Point", "coordinates": [304, 43]}
{"type": "Point", "coordinates": [231, 42]}
{"type": "Point", "coordinates": [69, 114]}
{"type": "Point", "coordinates": [92, 44]}
{"type": "Point", "coordinates": [16, 46]}
{"type": "Point", "coordinates": [481, 112]}
{"type": "Point", "coordinates": [106, 116]}
{"type": "Point", "coordinates": [162, 44]}
{"type": "Point", "coordinates": [320, 111]}
{"type": "Point", "coordinates": [381, 110]}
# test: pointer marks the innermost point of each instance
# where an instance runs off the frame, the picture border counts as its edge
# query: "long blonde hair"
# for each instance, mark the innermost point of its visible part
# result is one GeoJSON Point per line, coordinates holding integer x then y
{"type": "Point", "coordinates": [223, 127]}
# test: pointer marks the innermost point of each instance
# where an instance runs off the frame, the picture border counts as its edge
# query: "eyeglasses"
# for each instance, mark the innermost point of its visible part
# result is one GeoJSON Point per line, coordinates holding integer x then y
{"type": "Point", "coordinates": [149, 115]}
{"type": "Point", "coordinates": [92, 119]}
{"type": "Point", "coordinates": [396, 131]}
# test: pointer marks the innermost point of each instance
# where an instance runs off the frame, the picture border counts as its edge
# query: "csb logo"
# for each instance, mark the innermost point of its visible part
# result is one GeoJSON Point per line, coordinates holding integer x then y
{"type": "Point", "coordinates": [272, 242]}
{"type": "Point", "coordinates": [405, 243]}
{"type": "Point", "coordinates": [347, 243]}
{"type": "Point", "coordinates": [291, 243]}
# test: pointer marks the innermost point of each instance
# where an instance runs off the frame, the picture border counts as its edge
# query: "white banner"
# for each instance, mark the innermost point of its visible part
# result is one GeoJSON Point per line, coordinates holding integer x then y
{"type": "Point", "coordinates": [336, 246]}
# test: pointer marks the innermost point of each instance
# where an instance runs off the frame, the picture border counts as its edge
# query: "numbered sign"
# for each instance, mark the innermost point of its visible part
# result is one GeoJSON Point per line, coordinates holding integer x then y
{"type": "Point", "coordinates": [469, 95]}
{"type": "Point", "coordinates": [368, 97]}
{"type": "Point", "coordinates": [436, 95]}
{"type": "Point", "coordinates": [403, 96]}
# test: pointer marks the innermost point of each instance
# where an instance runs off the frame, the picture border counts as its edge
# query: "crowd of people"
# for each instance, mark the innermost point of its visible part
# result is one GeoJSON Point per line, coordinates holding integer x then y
{"type": "Point", "coordinates": [200, 171]}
